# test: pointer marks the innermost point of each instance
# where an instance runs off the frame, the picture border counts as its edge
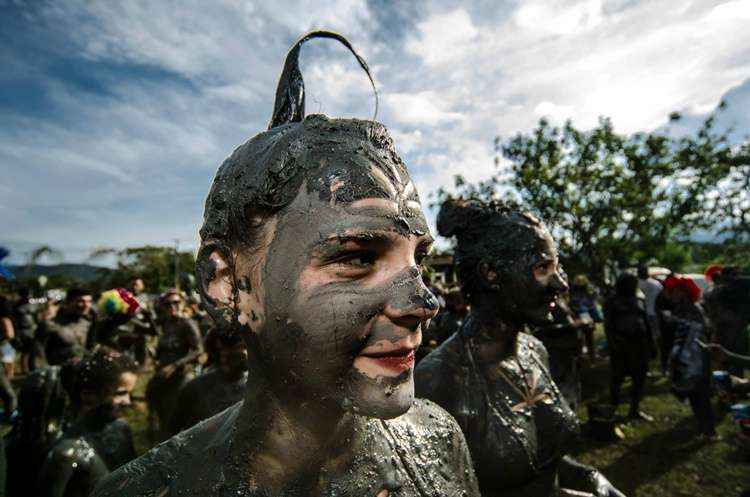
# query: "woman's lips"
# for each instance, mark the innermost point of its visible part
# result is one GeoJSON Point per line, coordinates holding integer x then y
{"type": "Point", "coordinates": [397, 360]}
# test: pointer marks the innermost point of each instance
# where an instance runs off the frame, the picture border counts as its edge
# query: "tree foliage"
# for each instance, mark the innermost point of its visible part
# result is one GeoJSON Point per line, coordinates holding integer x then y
{"type": "Point", "coordinates": [155, 265]}
{"type": "Point", "coordinates": [610, 198]}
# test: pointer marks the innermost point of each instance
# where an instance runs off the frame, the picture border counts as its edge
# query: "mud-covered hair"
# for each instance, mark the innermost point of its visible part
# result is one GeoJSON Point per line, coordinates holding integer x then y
{"type": "Point", "coordinates": [264, 175]}
{"type": "Point", "coordinates": [486, 232]}
{"type": "Point", "coordinates": [100, 372]}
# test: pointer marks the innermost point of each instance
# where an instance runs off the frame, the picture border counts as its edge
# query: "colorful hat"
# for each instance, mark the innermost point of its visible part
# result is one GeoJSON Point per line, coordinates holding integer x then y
{"type": "Point", "coordinates": [712, 271]}
{"type": "Point", "coordinates": [117, 301]}
{"type": "Point", "coordinates": [685, 284]}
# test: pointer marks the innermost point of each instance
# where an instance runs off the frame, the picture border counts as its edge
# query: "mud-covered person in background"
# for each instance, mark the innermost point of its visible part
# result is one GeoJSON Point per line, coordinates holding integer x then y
{"type": "Point", "coordinates": [562, 338]}
{"type": "Point", "coordinates": [583, 303]}
{"type": "Point", "coordinates": [42, 415]}
{"type": "Point", "coordinates": [651, 288]}
{"type": "Point", "coordinates": [144, 321]}
{"type": "Point", "coordinates": [450, 318]}
{"type": "Point", "coordinates": [689, 362]}
{"type": "Point", "coordinates": [179, 350]}
{"type": "Point", "coordinates": [25, 323]}
{"type": "Point", "coordinates": [7, 333]}
{"type": "Point", "coordinates": [311, 248]}
{"type": "Point", "coordinates": [65, 332]}
{"type": "Point", "coordinates": [99, 440]}
{"type": "Point", "coordinates": [728, 307]}
{"type": "Point", "coordinates": [222, 386]}
{"type": "Point", "coordinates": [490, 375]}
{"type": "Point", "coordinates": [630, 341]}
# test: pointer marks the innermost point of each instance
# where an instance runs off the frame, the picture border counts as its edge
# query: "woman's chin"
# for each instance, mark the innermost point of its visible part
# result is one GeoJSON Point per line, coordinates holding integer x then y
{"type": "Point", "coordinates": [379, 399]}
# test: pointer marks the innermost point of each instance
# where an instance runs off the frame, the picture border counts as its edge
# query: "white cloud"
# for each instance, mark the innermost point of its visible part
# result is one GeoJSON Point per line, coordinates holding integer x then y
{"type": "Point", "coordinates": [445, 37]}
{"type": "Point", "coordinates": [421, 108]}
{"type": "Point", "coordinates": [450, 80]}
{"type": "Point", "coordinates": [557, 113]}
{"type": "Point", "coordinates": [559, 17]}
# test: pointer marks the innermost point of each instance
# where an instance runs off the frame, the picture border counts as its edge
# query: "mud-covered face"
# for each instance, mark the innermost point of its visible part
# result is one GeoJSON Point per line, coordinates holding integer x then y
{"type": "Point", "coordinates": [81, 306]}
{"type": "Point", "coordinates": [233, 359]}
{"type": "Point", "coordinates": [344, 302]}
{"type": "Point", "coordinates": [534, 282]}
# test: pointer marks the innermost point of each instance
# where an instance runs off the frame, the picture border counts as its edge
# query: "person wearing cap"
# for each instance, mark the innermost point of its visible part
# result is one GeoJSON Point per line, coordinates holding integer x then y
{"type": "Point", "coordinates": [689, 361]}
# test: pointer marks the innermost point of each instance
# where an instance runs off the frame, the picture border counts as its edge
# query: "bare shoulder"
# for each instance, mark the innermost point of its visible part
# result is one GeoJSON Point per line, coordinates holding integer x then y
{"type": "Point", "coordinates": [187, 464]}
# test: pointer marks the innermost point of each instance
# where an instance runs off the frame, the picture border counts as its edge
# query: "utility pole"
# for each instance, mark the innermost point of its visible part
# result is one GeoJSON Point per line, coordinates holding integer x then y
{"type": "Point", "coordinates": [176, 264]}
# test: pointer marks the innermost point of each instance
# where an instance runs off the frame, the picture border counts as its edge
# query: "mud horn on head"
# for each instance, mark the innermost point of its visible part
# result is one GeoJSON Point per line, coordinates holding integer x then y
{"type": "Point", "coordinates": [289, 105]}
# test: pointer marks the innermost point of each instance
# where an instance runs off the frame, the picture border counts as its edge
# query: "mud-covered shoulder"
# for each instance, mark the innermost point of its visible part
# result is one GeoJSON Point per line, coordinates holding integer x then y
{"type": "Point", "coordinates": [438, 447]}
{"type": "Point", "coordinates": [187, 464]}
{"type": "Point", "coordinates": [437, 375]}
{"type": "Point", "coordinates": [532, 345]}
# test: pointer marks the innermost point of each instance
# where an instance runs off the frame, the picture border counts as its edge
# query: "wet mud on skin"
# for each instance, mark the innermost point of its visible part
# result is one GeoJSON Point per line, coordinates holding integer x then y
{"type": "Point", "coordinates": [87, 453]}
{"type": "Point", "coordinates": [492, 378]}
{"type": "Point", "coordinates": [325, 279]}
{"type": "Point", "coordinates": [419, 454]}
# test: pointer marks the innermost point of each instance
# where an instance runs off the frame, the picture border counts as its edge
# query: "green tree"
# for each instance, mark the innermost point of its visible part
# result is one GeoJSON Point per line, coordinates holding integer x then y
{"type": "Point", "coordinates": [608, 197]}
{"type": "Point", "coordinates": [155, 265]}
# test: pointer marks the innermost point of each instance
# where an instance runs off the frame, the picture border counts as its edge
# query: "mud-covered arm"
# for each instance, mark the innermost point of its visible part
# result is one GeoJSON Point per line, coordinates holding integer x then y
{"type": "Point", "coordinates": [575, 475]}
{"type": "Point", "coordinates": [192, 336]}
{"type": "Point", "coordinates": [183, 416]}
{"type": "Point", "coordinates": [63, 462]}
{"type": "Point", "coordinates": [737, 360]}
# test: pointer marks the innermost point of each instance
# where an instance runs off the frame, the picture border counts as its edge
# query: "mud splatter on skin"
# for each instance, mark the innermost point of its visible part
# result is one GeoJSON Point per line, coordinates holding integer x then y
{"type": "Point", "coordinates": [490, 376]}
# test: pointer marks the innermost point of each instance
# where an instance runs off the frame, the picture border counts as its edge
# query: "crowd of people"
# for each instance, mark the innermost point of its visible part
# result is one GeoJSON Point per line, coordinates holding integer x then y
{"type": "Point", "coordinates": [80, 359]}
{"type": "Point", "coordinates": [294, 369]}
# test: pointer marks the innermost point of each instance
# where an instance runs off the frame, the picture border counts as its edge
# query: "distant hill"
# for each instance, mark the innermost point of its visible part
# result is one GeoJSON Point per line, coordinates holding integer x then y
{"type": "Point", "coordinates": [80, 272]}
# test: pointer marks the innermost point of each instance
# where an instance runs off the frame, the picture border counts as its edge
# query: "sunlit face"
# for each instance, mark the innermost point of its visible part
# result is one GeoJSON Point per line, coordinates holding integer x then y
{"type": "Point", "coordinates": [233, 359]}
{"type": "Point", "coordinates": [82, 305]}
{"type": "Point", "coordinates": [121, 399]}
{"type": "Point", "coordinates": [111, 403]}
{"type": "Point", "coordinates": [344, 305]}
{"type": "Point", "coordinates": [172, 305]}
{"type": "Point", "coordinates": [536, 281]}
{"type": "Point", "coordinates": [138, 286]}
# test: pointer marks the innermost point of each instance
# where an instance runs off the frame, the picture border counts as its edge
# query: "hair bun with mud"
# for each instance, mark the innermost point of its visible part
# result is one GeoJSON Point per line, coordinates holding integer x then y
{"type": "Point", "coordinates": [452, 217]}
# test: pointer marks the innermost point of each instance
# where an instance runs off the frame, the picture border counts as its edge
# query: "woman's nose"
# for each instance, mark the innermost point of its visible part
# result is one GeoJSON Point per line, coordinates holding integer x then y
{"type": "Point", "coordinates": [411, 302]}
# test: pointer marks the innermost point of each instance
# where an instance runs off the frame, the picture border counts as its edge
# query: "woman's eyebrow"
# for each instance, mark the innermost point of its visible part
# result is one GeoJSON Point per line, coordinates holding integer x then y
{"type": "Point", "coordinates": [359, 238]}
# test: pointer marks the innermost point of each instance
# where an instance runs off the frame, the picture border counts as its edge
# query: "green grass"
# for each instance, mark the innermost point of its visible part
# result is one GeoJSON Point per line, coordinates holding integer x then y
{"type": "Point", "coordinates": [665, 458]}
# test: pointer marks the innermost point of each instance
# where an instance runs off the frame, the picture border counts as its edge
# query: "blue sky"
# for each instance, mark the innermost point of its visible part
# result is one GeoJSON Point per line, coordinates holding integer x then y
{"type": "Point", "coordinates": [115, 115]}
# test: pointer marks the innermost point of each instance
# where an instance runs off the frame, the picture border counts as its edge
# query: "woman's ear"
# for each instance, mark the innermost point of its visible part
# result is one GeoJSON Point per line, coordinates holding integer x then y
{"type": "Point", "coordinates": [216, 282]}
{"type": "Point", "coordinates": [489, 278]}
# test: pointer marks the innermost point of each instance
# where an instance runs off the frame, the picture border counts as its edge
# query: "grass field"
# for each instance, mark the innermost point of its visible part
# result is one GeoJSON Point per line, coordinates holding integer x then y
{"type": "Point", "coordinates": [664, 458]}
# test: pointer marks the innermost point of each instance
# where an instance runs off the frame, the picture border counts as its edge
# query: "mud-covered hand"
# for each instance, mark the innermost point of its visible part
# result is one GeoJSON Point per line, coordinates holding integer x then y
{"type": "Point", "coordinates": [602, 486]}
{"type": "Point", "coordinates": [583, 478]}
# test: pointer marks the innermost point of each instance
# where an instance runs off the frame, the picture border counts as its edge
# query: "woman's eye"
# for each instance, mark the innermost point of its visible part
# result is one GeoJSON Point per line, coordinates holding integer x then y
{"type": "Point", "coordinates": [419, 257]}
{"type": "Point", "coordinates": [358, 259]}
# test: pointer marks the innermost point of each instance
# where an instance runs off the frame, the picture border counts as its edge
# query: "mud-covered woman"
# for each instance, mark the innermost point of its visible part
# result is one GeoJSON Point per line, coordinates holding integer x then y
{"type": "Point", "coordinates": [99, 440]}
{"type": "Point", "coordinates": [490, 375]}
{"type": "Point", "coordinates": [311, 246]}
